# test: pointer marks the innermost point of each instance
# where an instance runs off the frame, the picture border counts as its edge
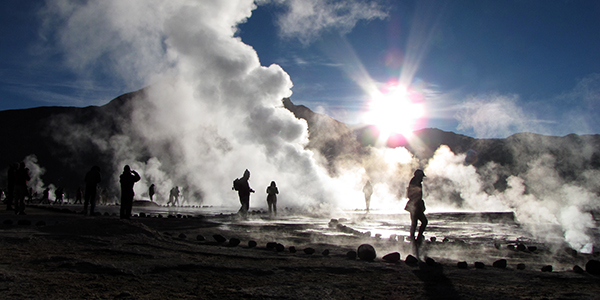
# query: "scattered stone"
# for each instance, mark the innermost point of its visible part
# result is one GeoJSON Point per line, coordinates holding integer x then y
{"type": "Point", "coordinates": [521, 247]}
{"type": "Point", "coordinates": [251, 244]}
{"type": "Point", "coordinates": [325, 252]}
{"type": "Point", "coordinates": [168, 233]}
{"type": "Point", "coordinates": [531, 248]}
{"type": "Point", "coordinates": [40, 223]}
{"type": "Point", "coordinates": [431, 262]}
{"type": "Point", "coordinates": [142, 215]}
{"type": "Point", "coordinates": [497, 245]}
{"type": "Point", "coordinates": [219, 238]}
{"type": "Point", "coordinates": [462, 265]}
{"type": "Point", "coordinates": [445, 240]}
{"type": "Point", "coordinates": [501, 264]}
{"type": "Point", "coordinates": [200, 238]}
{"type": "Point", "coordinates": [521, 266]}
{"type": "Point", "coordinates": [366, 252]}
{"type": "Point", "coordinates": [393, 257]}
{"type": "Point", "coordinates": [106, 214]}
{"type": "Point", "coordinates": [24, 222]}
{"type": "Point", "coordinates": [292, 249]}
{"type": "Point", "coordinates": [160, 216]}
{"type": "Point", "coordinates": [171, 217]}
{"type": "Point", "coordinates": [7, 222]}
{"type": "Point", "coordinates": [279, 247]}
{"type": "Point", "coordinates": [411, 260]}
{"type": "Point", "coordinates": [182, 236]}
{"type": "Point", "coordinates": [351, 255]}
{"type": "Point", "coordinates": [234, 242]}
{"type": "Point", "coordinates": [433, 239]}
{"type": "Point", "coordinates": [309, 251]}
{"type": "Point", "coordinates": [479, 265]}
{"type": "Point", "coordinates": [510, 247]}
{"type": "Point", "coordinates": [577, 269]}
{"type": "Point", "coordinates": [547, 268]}
{"type": "Point", "coordinates": [593, 267]}
{"type": "Point", "coordinates": [271, 245]}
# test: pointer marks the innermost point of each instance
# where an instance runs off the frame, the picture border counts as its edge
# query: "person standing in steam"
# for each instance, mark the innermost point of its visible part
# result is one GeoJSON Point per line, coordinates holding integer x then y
{"type": "Point", "coordinates": [242, 186]}
{"type": "Point", "coordinates": [416, 207]}
{"type": "Point", "coordinates": [272, 192]}
{"type": "Point", "coordinates": [127, 180]}
{"type": "Point", "coordinates": [368, 190]}
{"type": "Point", "coordinates": [21, 179]}
{"type": "Point", "coordinates": [92, 178]}
{"type": "Point", "coordinates": [151, 191]}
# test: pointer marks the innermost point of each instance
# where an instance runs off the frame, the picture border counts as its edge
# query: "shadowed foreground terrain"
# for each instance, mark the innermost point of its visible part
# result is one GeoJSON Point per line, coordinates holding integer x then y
{"type": "Point", "coordinates": [58, 255]}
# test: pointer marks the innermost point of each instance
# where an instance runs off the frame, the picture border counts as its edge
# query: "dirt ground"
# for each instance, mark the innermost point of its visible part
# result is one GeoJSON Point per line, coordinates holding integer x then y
{"type": "Point", "coordinates": [57, 255]}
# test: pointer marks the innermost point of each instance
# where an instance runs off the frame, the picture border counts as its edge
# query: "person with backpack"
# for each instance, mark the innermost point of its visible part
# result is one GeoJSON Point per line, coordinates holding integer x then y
{"type": "Point", "coordinates": [242, 186]}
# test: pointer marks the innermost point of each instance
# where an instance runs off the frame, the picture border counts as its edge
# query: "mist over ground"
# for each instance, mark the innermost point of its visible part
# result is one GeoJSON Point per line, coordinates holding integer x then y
{"type": "Point", "coordinates": [211, 110]}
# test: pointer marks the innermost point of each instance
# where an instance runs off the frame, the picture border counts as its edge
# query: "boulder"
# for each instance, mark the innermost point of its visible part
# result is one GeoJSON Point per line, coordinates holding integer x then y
{"type": "Point", "coordinates": [40, 223]}
{"type": "Point", "coordinates": [547, 268]}
{"type": "Point", "coordinates": [234, 242]}
{"type": "Point", "coordinates": [279, 247]}
{"type": "Point", "coordinates": [479, 265]}
{"type": "Point", "coordinates": [411, 260]}
{"type": "Point", "coordinates": [325, 252]}
{"type": "Point", "coordinates": [200, 237]}
{"type": "Point", "coordinates": [430, 262]}
{"type": "Point", "coordinates": [271, 245]}
{"type": "Point", "coordinates": [521, 247]}
{"type": "Point", "coordinates": [521, 266]}
{"type": "Point", "coordinates": [219, 238]}
{"type": "Point", "coordinates": [309, 251]}
{"type": "Point", "coordinates": [577, 269]}
{"type": "Point", "coordinates": [433, 239]}
{"type": "Point", "coordinates": [366, 252]}
{"type": "Point", "coordinates": [462, 265]}
{"type": "Point", "coordinates": [182, 236]}
{"type": "Point", "coordinates": [393, 257]}
{"type": "Point", "coordinates": [7, 222]}
{"type": "Point", "coordinates": [292, 249]}
{"type": "Point", "coordinates": [501, 264]}
{"type": "Point", "coordinates": [593, 267]}
{"type": "Point", "coordinates": [251, 244]}
{"type": "Point", "coordinates": [445, 240]}
{"type": "Point", "coordinates": [351, 255]}
{"type": "Point", "coordinates": [531, 248]}
{"type": "Point", "coordinates": [24, 222]}
{"type": "Point", "coordinates": [142, 215]}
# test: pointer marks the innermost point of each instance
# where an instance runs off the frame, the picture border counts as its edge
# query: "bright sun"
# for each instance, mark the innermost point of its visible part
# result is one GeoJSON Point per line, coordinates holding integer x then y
{"type": "Point", "coordinates": [395, 111]}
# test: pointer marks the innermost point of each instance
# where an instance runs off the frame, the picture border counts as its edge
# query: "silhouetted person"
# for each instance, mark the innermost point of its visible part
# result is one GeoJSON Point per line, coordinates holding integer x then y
{"type": "Point", "coordinates": [10, 189]}
{"type": "Point", "coordinates": [242, 186]}
{"type": "Point", "coordinates": [21, 191]}
{"type": "Point", "coordinates": [174, 196]}
{"type": "Point", "coordinates": [92, 178]}
{"type": "Point", "coordinates": [368, 190]}
{"type": "Point", "coordinates": [79, 196]}
{"type": "Point", "coordinates": [151, 191]}
{"type": "Point", "coordinates": [45, 196]}
{"type": "Point", "coordinates": [416, 206]}
{"type": "Point", "coordinates": [272, 192]}
{"type": "Point", "coordinates": [58, 195]}
{"type": "Point", "coordinates": [127, 179]}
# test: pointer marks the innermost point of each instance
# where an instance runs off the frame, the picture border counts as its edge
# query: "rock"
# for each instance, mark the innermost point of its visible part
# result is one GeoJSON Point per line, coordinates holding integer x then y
{"type": "Point", "coordinates": [445, 240]}
{"type": "Point", "coordinates": [351, 255]}
{"type": "Point", "coordinates": [251, 244]}
{"type": "Point", "coordinates": [547, 268]}
{"type": "Point", "coordinates": [40, 223]}
{"type": "Point", "coordinates": [170, 217]}
{"type": "Point", "coordinates": [325, 252]}
{"type": "Point", "coordinates": [521, 247]}
{"type": "Point", "coordinates": [366, 252]}
{"type": "Point", "coordinates": [309, 251]}
{"type": "Point", "coordinates": [531, 248]}
{"type": "Point", "coordinates": [219, 238]}
{"type": "Point", "coordinates": [271, 245]}
{"type": "Point", "coordinates": [593, 267]}
{"type": "Point", "coordinates": [200, 238]}
{"type": "Point", "coordinates": [431, 262]}
{"type": "Point", "coordinates": [292, 249]}
{"type": "Point", "coordinates": [521, 266]}
{"type": "Point", "coordinates": [411, 260]}
{"type": "Point", "coordinates": [7, 222]}
{"type": "Point", "coordinates": [393, 257]}
{"type": "Point", "coordinates": [510, 247]}
{"type": "Point", "coordinates": [577, 269]}
{"type": "Point", "coordinates": [234, 242]}
{"type": "Point", "coordinates": [279, 247]}
{"type": "Point", "coordinates": [24, 222]}
{"type": "Point", "coordinates": [501, 264]}
{"type": "Point", "coordinates": [142, 215]}
{"type": "Point", "coordinates": [479, 265]}
{"type": "Point", "coordinates": [462, 265]}
{"type": "Point", "coordinates": [106, 214]}
{"type": "Point", "coordinates": [433, 239]}
{"type": "Point", "coordinates": [182, 236]}
{"type": "Point", "coordinates": [333, 223]}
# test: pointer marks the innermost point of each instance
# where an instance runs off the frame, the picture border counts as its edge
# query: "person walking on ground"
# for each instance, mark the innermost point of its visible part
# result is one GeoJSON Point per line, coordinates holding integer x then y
{"type": "Point", "coordinates": [272, 192]}
{"type": "Point", "coordinates": [151, 191]}
{"type": "Point", "coordinates": [127, 179]}
{"type": "Point", "coordinates": [368, 190]}
{"type": "Point", "coordinates": [78, 196]}
{"type": "Point", "coordinates": [10, 189]}
{"type": "Point", "coordinates": [174, 196]}
{"type": "Point", "coordinates": [92, 178]}
{"type": "Point", "coordinates": [21, 191]}
{"type": "Point", "coordinates": [416, 207]}
{"type": "Point", "coordinates": [242, 186]}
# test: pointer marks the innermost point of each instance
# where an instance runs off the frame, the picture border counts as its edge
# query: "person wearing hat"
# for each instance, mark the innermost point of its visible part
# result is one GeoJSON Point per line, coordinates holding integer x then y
{"type": "Point", "coordinates": [416, 206]}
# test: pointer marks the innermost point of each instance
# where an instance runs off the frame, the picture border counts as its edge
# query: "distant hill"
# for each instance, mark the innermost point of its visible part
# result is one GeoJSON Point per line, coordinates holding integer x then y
{"type": "Point", "coordinates": [35, 131]}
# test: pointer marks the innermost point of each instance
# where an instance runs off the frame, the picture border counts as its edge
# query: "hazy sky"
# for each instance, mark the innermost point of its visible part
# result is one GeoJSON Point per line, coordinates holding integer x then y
{"type": "Point", "coordinates": [480, 68]}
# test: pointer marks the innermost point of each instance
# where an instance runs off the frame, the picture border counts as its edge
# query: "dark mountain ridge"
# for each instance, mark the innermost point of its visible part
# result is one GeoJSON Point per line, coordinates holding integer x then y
{"type": "Point", "coordinates": [41, 131]}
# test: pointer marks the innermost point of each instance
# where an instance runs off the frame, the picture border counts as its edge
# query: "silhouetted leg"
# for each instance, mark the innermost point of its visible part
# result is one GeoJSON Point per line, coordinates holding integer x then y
{"type": "Point", "coordinates": [275, 208]}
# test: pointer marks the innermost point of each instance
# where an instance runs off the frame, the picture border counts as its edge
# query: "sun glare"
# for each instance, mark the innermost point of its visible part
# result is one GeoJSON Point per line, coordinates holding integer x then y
{"type": "Point", "coordinates": [395, 111]}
